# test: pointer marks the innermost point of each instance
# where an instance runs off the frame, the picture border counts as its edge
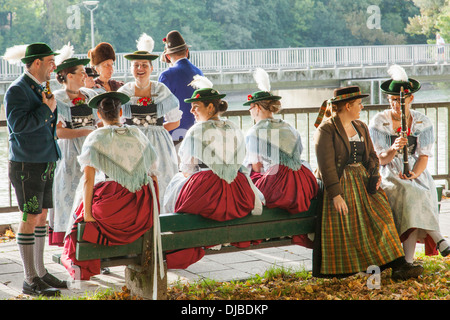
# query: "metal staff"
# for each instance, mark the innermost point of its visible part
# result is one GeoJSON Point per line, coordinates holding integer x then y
{"type": "Point", "coordinates": [404, 133]}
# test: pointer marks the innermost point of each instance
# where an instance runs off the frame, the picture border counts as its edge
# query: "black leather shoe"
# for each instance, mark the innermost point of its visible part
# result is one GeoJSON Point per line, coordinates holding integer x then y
{"type": "Point", "coordinates": [39, 287]}
{"type": "Point", "coordinates": [54, 282]}
{"type": "Point", "coordinates": [406, 271]}
{"type": "Point", "coordinates": [106, 270]}
{"type": "Point", "coordinates": [444, 252]}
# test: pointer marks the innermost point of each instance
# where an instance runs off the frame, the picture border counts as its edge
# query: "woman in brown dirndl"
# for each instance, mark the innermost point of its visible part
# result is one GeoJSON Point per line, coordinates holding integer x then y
{"type": "Point", "coordinates": [356, 227]}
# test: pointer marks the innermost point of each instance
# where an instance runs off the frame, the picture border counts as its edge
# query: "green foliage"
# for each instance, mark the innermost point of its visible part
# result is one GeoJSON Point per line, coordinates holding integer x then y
{"type": "Point", "coordinates": [218, 24]}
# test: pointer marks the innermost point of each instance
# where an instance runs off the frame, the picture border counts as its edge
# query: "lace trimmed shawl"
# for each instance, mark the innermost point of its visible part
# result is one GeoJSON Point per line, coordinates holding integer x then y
{"type": "Point", "coordinates": [124, 154]}
{"type": "Point", "coordinates": [218, 144]}
{"type": "Point", "coordinates": [272, 142]}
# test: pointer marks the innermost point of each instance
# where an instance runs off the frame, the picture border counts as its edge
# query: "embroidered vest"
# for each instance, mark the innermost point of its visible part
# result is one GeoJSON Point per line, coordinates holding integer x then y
{"type": "Point", "coordinates": [144, 116]}
{"type": "Point", "coordinates": [412, 144]}
{"type": "Point", "coordinates": [81, 117]}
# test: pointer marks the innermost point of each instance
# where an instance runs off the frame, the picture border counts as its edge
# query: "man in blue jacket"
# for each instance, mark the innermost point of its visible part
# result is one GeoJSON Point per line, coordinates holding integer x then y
{"type": "Point", "coordinates": [33, 152]}
{"type": "Point", "coordinates": [177, 78]}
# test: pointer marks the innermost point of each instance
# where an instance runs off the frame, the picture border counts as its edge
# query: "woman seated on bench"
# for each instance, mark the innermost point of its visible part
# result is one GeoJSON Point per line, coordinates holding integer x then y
{"type": "Point", "coordinates": [210, 183]}
{"type": "Point", "coordinates": [357, 226]}
{"type": "Point", "coordinates": [119, 191]}
{"type": "Point", "coordinates": [274, 149]}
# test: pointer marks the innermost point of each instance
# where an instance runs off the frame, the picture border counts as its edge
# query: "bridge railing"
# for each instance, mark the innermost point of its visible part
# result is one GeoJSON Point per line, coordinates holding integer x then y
{"type": "Point", "coordinates": [285, 58]}
{"type": "Point", "coordinates": [303, 120]}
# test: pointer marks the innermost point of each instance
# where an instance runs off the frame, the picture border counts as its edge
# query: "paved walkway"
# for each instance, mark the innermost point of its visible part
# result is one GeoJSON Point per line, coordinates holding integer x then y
{"type": "Point", "coordinates": [219, 267]}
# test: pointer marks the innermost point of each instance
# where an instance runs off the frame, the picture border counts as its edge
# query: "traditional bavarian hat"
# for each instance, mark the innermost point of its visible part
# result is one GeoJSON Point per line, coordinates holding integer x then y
{"type": "Point", "coordinates": [95, 101]}
{"type": "Point", "coordinates": [340, 94]}
{"type": "Point", "coordinates": [399, 79]}
{"type": "Point", "coordinates": [37, 50]}
{"type": "Point", "coordinates": [173, 42]}
{"type": "Point", "coordinates": [91, 72]}
{"type": "Point", "coordinates": [262, 79]}
{"type": "Point", "coordinates": [205, 91]}
{"type": "Point", "coordinates": [71, 62]}
{"type": "Point", "coordinates": [102, 52]}
{"type": "Point", "coordinates": [145, 46]}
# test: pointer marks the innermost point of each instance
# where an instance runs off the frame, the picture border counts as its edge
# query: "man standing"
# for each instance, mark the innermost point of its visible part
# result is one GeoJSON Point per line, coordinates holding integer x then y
{"type": "Point", "coordinates": [33, 152]}
{"type": "Point", "coordinates": [178, 77]}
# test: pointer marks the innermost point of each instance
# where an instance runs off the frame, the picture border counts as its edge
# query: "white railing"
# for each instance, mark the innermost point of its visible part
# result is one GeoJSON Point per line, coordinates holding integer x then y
{"type": "Point", "coordinates": [290, 58]}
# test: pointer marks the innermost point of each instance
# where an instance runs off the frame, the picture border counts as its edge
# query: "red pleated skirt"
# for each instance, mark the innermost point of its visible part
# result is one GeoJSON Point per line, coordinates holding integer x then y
{"type": "Point", "coordinates": [287, 189]}
{"type": "Point", "coordinates": [290, 190]}
{"type": "Point", "coordinates": [207, 195]}
{"type": "Point", "coordinates": [121, 218]}
{"type": "Point", "coordinates": [211, 197]}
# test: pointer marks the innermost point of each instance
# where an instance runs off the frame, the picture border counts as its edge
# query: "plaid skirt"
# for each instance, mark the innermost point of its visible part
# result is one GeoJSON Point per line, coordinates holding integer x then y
{"type": "Point", "coordinates": [365, 236]}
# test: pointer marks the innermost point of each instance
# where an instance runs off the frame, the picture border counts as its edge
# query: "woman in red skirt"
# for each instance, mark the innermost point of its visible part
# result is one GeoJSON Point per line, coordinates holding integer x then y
{"type": "Point", "coordinates": [119, 198]}
{"type": "Point", "coordinates": [210, 182]}
{"type": "Point", "coordinates": [274, 149]}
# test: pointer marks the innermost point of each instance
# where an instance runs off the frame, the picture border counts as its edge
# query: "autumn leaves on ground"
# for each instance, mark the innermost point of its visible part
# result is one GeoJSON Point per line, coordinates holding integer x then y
{"type": "Point", "coordinates": [285, 285]}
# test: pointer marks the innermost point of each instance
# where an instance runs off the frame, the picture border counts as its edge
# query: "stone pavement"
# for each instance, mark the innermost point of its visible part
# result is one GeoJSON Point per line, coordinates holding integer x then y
{"type": "Point", "coordinates": [219, 267]}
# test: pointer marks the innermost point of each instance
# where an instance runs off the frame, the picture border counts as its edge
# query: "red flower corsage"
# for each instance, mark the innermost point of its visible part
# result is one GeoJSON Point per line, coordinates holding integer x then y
{"type": "Point", "coordinates": [250, 97]}
{"type": "Point", "coordinates": [406, 90]}
{"type": "Point", "coordinates": [78, 101]}
{"type": "Point", "coordinates": [164, 40]}
{"type": "Point", "coordinates": [399, 130]}
{"type": "Point", "coordinates": [144, 101]}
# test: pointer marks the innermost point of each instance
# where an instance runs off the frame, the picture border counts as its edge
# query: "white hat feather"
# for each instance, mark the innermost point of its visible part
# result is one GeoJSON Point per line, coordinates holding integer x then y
{"type": "Point", "coordinates": [200, 82]}
{"type": "Point", "coordinates": [397, 73]}
{"type": "Point", "coordinates": [145, 43]}
{"type": "Point", "coordinates": [14, 55]}
{"type": "Point", "coordinates": [66, 52]}
{"type": "Point", "coordinates": [262, 79]}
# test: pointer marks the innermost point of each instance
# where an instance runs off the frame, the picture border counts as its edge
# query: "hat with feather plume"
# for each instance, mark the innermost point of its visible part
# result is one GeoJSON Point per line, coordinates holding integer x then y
{"type": "Point", "coordinates": [65, 59]}
{"type": "Point", "coordinates": [263, 81]}
{"type": "Point", "coordinates": [205, 91]}
{"type": "Point", "coordinates": [28, 53]}
{"type": "Point", "coordinates": [145, 46]}
{"type": "Point", "coordinates": [399, 79]}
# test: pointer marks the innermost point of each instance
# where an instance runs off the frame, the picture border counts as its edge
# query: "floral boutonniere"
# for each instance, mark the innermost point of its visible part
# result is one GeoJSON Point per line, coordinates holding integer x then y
{"type": "Point", "coordinates": [399, 130]}
{"type": "Point", "coordinates": [144, 101]}
{"type": "Point", "coordinates": [78, 101]}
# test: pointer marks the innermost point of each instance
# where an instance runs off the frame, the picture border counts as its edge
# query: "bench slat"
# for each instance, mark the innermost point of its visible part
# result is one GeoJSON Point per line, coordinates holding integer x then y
{"type": "Point", "coordinates": [181, 222]}
{"type": "Point", "coordinates": [89, 251]}
{"type": "Point", "coordinates": [227, 234]}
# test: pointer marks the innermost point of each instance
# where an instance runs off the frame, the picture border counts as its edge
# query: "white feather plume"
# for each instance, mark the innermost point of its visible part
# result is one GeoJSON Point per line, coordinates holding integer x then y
{"type": "Point", "coordinates": [397, 73]}
{"type": "Point", "coordinates": [66, 52]}
{"type": "Point", "coordinates": [201, 82]}
{"type": "Point", "coordinates": [14, 54]}
{"type": "Point", "coordinates": [262, 79]}
{"type": "Point", "coordinates": [145, 43]}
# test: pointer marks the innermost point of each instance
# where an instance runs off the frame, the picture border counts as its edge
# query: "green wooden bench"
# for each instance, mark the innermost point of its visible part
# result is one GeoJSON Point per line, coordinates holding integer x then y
{"type": "Point", "coordinates": [180, 231]}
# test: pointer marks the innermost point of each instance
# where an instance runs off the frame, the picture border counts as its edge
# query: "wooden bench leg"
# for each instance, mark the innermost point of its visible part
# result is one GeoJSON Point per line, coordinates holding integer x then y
{"type": "Point", "coordinates": [139, 278]}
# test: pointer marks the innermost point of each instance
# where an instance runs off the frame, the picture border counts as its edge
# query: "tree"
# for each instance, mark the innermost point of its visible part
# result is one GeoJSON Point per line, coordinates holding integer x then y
{"type": "Point", "coordinates": [434, 17]}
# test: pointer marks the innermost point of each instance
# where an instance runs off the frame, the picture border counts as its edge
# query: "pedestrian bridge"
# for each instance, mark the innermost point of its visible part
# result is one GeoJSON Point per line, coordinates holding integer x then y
{"type": "Point", "coordinates": [296, 67]}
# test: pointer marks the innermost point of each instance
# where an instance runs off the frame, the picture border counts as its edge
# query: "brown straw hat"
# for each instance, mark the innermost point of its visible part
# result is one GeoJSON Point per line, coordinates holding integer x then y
{"type": "Point", "coordinates": [340, 94]}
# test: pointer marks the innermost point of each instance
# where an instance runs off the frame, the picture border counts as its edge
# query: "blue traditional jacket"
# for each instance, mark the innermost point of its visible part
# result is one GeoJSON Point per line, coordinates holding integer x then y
{"type": "Point", "coordinates": [31, 123]}
{"type": "Point", "coordinates": [177, 78]}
